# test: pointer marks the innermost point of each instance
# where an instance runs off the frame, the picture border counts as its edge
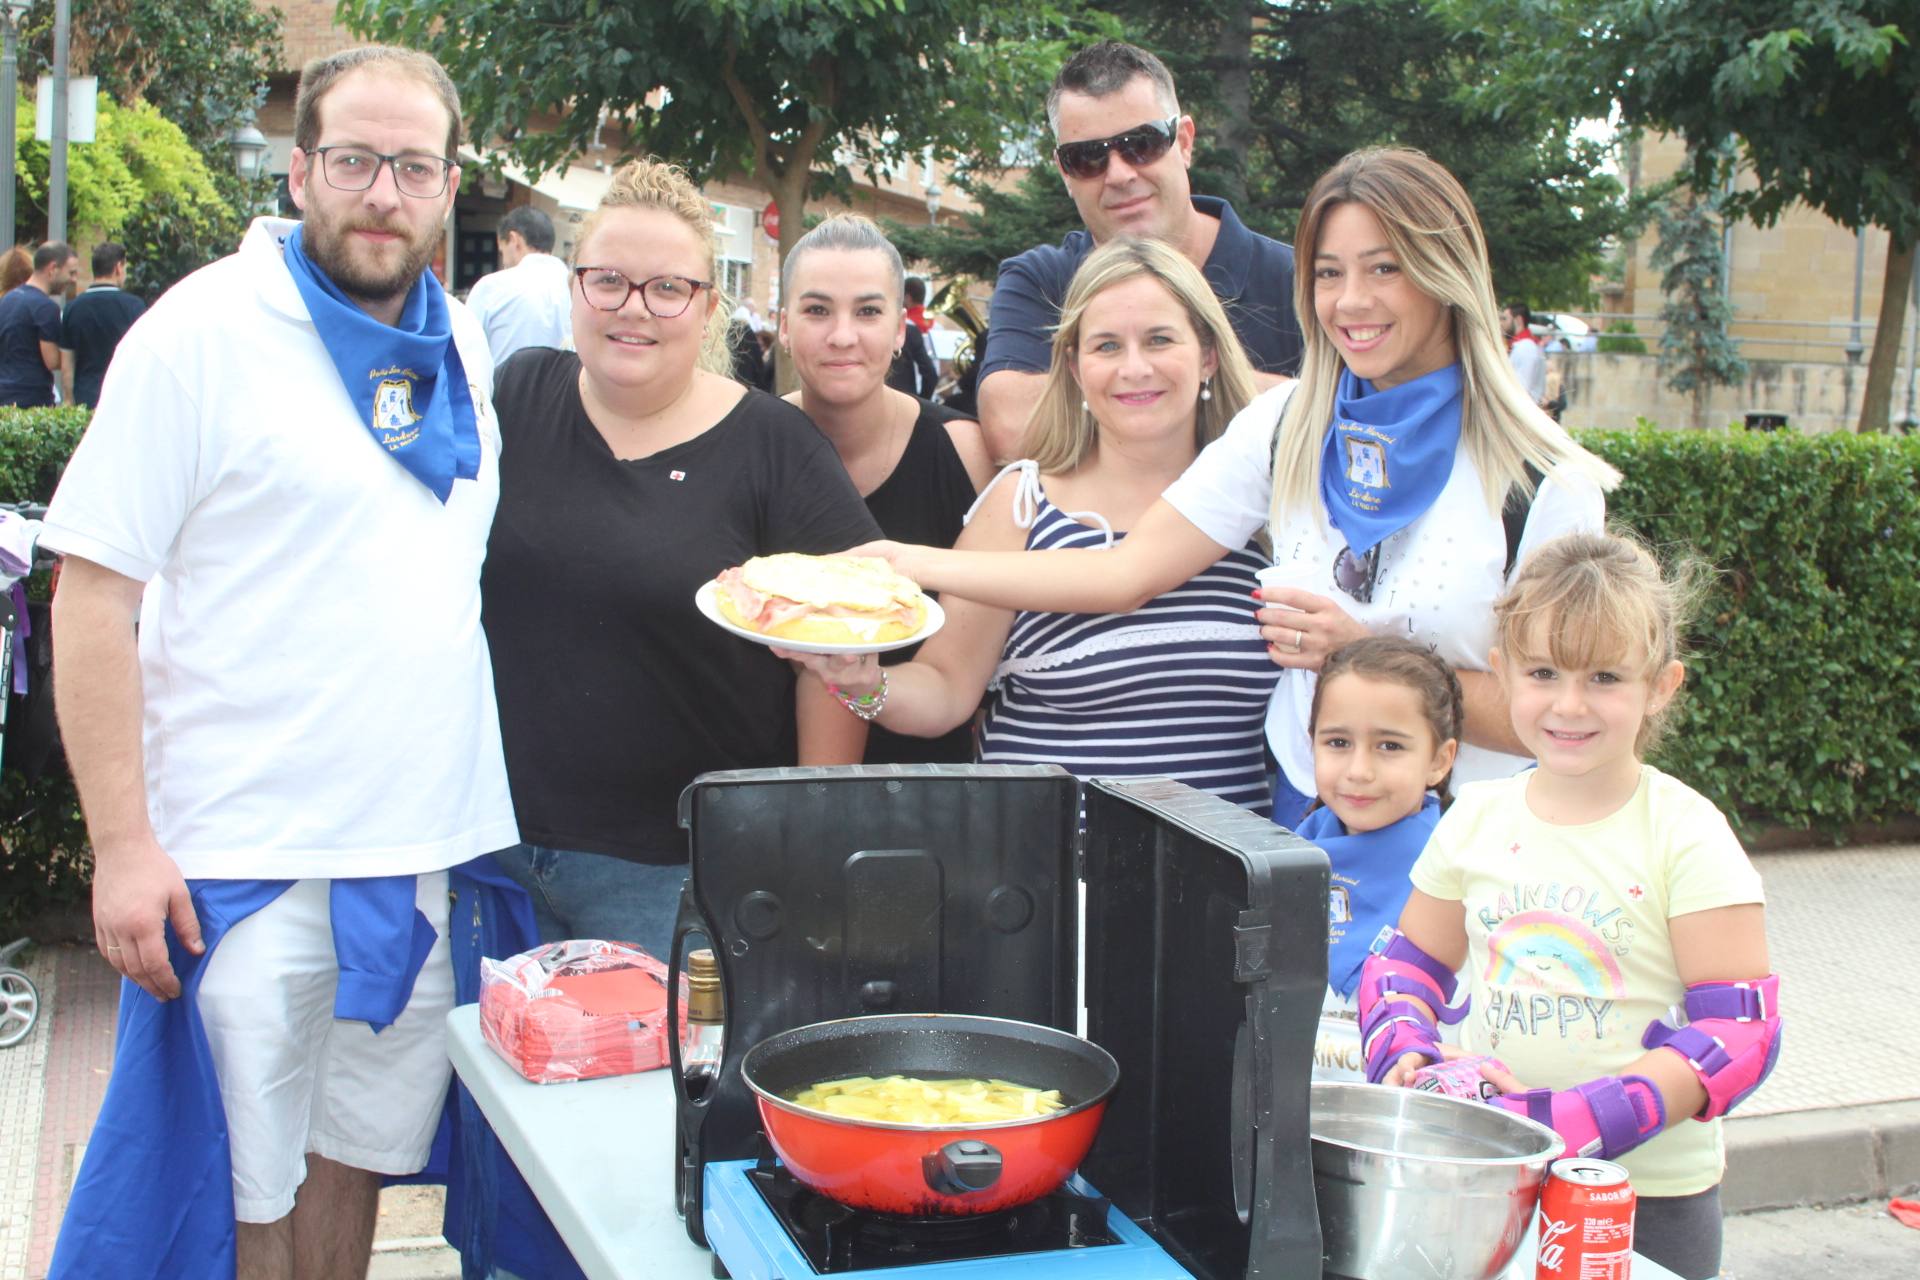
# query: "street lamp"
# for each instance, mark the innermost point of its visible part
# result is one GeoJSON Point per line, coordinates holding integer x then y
{"type": "Point", "coordinates": [11, 11]}
{"type": "Point", "coordinates": [249, 147]}
{"type": "Point", "coordinates": [933, 203]}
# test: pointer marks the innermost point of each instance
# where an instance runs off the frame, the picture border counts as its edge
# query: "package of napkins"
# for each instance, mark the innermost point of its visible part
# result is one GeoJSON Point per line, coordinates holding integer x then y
{"type": "Point", "coordinates": [576, 1010]}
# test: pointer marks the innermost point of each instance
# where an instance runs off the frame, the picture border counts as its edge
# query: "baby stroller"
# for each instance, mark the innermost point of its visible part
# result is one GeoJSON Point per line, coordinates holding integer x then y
{"type": "Point", "coordinates": [19, 539]}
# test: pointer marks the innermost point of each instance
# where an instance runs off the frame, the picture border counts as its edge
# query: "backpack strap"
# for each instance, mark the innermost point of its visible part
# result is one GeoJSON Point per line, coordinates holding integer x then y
{"type": "Point", "coordinates": [1514, 515]}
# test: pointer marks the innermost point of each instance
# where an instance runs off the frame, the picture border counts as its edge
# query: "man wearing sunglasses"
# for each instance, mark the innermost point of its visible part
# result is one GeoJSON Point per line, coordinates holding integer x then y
{"type": "Point", "coordinates": [1123, 149]}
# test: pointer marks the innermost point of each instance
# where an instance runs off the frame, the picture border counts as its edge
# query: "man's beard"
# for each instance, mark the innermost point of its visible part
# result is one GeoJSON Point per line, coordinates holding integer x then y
{"type": "Point", "coordinates": [328, 245]}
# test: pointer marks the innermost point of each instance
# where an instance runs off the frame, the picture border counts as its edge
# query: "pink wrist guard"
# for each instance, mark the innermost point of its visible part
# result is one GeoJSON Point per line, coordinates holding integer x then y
{"type": "Point", "coordinates": [1391, 1024]}
{"type": "Point", "coordinates": [1731, 1039]}
{"type": "Point", "coordinates": [1607, 1117]}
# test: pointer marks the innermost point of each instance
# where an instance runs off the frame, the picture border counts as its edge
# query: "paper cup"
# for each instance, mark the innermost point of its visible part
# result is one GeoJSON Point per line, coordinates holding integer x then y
{"type": "Point", "coordinates": [1299, 576]}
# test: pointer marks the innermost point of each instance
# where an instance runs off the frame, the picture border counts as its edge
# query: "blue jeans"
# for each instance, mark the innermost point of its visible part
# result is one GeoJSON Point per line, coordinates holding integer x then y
{"type": "Point", "coordinates": [592, 895]}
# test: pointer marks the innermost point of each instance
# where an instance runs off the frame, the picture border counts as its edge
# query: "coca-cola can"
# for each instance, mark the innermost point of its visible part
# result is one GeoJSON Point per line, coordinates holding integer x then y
{"type": "Point", "coordinates": [1586, 1221]}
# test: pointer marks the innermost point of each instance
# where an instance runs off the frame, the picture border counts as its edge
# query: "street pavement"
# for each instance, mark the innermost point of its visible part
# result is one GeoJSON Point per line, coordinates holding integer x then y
{"type": "Point", "coordinates": [1837, 1124]}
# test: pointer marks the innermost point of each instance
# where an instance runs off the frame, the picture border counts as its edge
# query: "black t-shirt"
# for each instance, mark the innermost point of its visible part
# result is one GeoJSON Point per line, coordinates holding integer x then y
{"type": "Point", "coordinates": [614, 691]}
{"type": "Point", "coordinates": [28, 317]}
{"type": "Point", "coordinates": [925, 501]}
{"type": "Point", "coordinates": [93, 326]}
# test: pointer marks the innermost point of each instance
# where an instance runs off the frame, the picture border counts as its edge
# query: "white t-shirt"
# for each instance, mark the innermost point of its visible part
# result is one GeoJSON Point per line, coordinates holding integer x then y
{"type": "Point", "coordinates": [527, 305]}
{"type": "Point", "coordinates": [318, 696]}
{"type": "Point", "coordinates": [1438, 577]}
{"type": "Point", "coordinates": [1530, 366]}
{"type": "Point", "coordinates": [1568, 951]}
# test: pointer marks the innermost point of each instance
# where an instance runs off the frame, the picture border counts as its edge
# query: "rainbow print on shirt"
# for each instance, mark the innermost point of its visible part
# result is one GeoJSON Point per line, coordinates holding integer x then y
{"type": "Point", "coordinates": [1553, 961]}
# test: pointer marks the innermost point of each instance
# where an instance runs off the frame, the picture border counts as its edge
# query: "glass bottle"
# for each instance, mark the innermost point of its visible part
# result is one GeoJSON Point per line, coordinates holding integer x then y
{"type": "Point", "coordinates": [704, 1034]}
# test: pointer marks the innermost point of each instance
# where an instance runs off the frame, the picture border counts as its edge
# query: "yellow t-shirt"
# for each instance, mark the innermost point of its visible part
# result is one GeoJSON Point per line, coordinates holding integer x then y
{"type": "Point", "coordinates": [1567, 945]}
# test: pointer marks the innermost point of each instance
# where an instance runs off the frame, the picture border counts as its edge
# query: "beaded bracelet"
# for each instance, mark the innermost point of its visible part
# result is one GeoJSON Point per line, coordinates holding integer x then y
{"type": "Point", "coordinates": [867, 705]}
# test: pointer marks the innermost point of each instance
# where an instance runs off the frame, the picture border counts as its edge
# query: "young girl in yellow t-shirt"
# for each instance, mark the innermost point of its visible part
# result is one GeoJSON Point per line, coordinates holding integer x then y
{"type": "Point", "coordinates": [1590, 900]}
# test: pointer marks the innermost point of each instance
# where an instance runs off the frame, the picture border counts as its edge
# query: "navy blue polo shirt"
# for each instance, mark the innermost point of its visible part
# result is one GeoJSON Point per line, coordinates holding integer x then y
{"type": "Point", "coordinates": [28, 317]}
{"type": "Point", "coordinates": [93, 326]}
{"type": "Point", "coordinates": [1251, 274]}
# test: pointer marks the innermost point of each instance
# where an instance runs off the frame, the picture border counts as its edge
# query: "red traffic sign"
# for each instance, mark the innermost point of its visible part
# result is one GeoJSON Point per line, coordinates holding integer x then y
{"type": "Point", "coordinates": [770, 221]}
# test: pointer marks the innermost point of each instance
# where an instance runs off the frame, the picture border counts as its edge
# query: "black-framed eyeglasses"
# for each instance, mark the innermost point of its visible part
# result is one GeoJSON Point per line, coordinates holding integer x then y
{"type": "Point", "coordinates": [415, 173]}
{"type": "Point", "coordinates": [1139, 146]}
{"type": "Point", "coordinates": [1356, 575]}
{"type": "Point", "coordinates": [663, 296]}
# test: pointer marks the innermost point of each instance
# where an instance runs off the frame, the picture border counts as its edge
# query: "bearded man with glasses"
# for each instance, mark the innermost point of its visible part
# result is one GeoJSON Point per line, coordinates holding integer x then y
{"type": "Point", "coordinates": [294, 765]}
{"type": "Point", "coordinates": [1123, 148]}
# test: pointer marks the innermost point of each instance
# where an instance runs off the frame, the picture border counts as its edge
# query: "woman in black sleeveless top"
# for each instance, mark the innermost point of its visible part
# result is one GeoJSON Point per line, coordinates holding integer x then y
{"type": "Point", "coordinates": [917, 465]}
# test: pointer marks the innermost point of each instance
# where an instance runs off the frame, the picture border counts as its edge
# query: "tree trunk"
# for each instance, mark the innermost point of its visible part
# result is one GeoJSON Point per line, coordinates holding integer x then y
{"type": "Point", "coordinates": [1876, 402]}
{"type": "Point", "coordinates": [1232, 65]}
{"type": "Point", "coordinates": [790, 193]}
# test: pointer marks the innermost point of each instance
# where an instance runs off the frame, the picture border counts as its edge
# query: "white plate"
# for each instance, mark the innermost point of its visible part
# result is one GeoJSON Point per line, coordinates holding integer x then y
{"type": "Point", "coordinates": [704, 601]}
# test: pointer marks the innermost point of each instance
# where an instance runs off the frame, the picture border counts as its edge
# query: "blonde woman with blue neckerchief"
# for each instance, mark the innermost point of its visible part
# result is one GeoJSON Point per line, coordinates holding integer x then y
{"type": "Point", "coordinates": [1381, 475]}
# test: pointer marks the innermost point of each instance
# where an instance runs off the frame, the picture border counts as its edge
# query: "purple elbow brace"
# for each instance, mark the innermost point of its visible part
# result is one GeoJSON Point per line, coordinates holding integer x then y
{"type": "Point", "coordinates": [1607, 1117]}
{"type": "Point", "coordinates": [1731, 1040]}
{"type": "Point", "coordinates": [1391, 1024]}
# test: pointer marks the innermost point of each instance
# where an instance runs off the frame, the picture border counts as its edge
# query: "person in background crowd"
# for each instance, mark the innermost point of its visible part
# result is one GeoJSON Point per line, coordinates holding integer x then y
{"type": "Point", "coordinates": [30, 328]}
{"type": "Point", "coordinates": [916, 291]}
{"type": "Point", "coordinates": [750, 364]}
{"type": "Point", "coordinates": [1523, 349]}
{"type": "Point", "coordinates": [94, 324]}
{"type": "Point", "coordinates": [917, 465]}
{"type": "Point", "coordinates": [914, 371]}
{"type": "Point", "coordinates": [525, 303]}
{"type": "Point", "coordinates": [1123, 149]}
{"type": "Point", "coordinates": [635, 470]}
{"type": "Point", "coordinates": [1400, 480]}
{"type": "Point", "coordinates": [289, 489]}
{"type": "Point", "coordinates": [1145, 370]}
{"type": "Point", "coordinates": [16, 265]}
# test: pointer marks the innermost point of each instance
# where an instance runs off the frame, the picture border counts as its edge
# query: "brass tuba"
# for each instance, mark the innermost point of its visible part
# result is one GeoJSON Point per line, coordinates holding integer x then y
{"type": "Point", "coordinates": [952, 302]}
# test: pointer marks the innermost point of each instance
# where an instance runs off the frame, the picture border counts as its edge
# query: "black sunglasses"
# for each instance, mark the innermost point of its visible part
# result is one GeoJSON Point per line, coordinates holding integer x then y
{"type": "Point", "coordinates": [1138, 146]}
{"type": "Point", "coordinates": [1356, 575]}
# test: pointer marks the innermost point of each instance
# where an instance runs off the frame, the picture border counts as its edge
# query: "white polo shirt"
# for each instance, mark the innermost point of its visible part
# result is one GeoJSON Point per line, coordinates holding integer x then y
{"type": "Point", "coordinates": [527, 305]}
{"type": "Point", "coordinates": [318, 695]}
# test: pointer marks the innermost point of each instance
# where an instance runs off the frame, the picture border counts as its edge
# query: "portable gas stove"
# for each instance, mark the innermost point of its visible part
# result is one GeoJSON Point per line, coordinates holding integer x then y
{"type": "Point", "coordinates": [763, 1225]}
{"type": "Point", "coordinates": [841, 892]}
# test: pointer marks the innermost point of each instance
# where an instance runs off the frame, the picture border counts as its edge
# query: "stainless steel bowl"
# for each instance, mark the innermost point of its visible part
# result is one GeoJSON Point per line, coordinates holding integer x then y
{"type": "Point", "coordinates": [1417, 1186]}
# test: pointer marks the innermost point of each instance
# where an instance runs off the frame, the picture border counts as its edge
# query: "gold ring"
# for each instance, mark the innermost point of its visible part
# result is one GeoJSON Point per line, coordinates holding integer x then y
{"type": "Point", "coordinates": [1299, 640]}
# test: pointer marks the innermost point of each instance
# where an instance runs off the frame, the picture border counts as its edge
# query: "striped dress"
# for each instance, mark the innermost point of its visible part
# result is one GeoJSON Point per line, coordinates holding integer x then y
{"type": "Point", "coordinates": [1179, 687]}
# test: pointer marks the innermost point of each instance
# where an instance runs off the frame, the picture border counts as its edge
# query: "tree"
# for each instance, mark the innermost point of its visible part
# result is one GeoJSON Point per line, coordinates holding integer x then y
{"type": "Point", "coordinates": [1695, 350]}
{"type": "Point", "coordinates": [1036, 210]}
{"type": "Point", "coordinates": [138, 158]}
{"type": "Point", "coordinates": [797, 95]}
{"type": "Point", "coordinates": [1823, 97]}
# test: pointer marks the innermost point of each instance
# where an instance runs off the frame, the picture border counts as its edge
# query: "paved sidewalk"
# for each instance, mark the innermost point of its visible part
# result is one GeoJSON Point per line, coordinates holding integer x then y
{"type": "Point", "coordinates": [1838, 1121]}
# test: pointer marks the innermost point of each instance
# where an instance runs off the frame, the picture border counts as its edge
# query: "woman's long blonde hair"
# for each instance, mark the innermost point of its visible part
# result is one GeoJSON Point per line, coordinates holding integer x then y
{"type": "Point", "coordinates": [1435, 236]}
{"type": "Point", "coordinates": [1061, 434]}
{"type": "Point", "coordinates": [647, 183]}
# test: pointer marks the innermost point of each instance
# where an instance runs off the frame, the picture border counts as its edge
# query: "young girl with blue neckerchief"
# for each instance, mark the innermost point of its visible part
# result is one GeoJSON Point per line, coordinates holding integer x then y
{"type": "Point", "coordinates": [1386, 728]}
{"type": "Point", "coordinates": [1382, 474]}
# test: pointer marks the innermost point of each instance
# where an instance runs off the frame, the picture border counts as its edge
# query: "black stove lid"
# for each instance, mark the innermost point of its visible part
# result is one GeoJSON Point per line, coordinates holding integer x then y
{"type": "Point", "coordinates": [836, 892]}
{"type": "Point", "coordinates": [1207, 966]}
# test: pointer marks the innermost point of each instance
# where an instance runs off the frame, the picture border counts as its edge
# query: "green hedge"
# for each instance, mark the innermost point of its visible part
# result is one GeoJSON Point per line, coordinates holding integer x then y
{"type": "Point", "coordinates": [44, 861]}
{"type": "Point", "coordinates": [1802, 708]}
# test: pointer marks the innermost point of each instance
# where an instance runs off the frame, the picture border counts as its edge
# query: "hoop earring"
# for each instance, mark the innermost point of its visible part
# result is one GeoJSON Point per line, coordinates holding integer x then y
{"type": "Point", "coordinates": [1206, 389]}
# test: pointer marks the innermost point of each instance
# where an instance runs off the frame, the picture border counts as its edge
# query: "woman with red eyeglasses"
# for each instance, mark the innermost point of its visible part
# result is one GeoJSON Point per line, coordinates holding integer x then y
{"type": "Point", "coordinates": [1400, 479]}
{"type": "Point", "coordinates": [633, 470]}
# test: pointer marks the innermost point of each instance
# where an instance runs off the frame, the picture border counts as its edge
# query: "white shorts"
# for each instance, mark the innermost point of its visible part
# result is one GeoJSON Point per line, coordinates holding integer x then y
{"type": "Point", "coordinates": [294, 1079]}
